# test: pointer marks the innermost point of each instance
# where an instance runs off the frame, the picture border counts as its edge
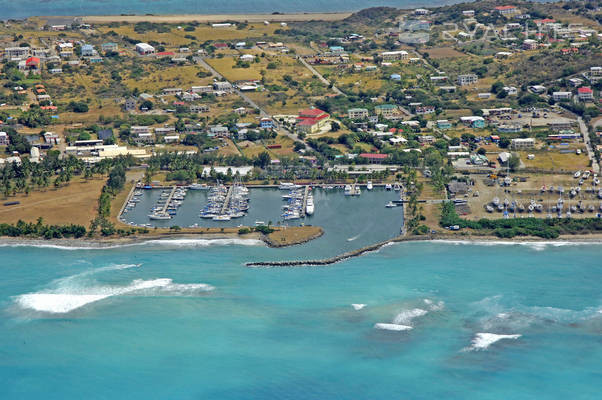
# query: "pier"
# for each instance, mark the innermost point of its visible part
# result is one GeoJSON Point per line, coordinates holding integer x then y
{"type": "Point", "coordinates": [166, 205]}
{"type": "Point", "coordinates": [127, 200]}
{"type": "Point", "coordinates": [226, 201]}
{"type": "Point", "coordinates": [305, 194]}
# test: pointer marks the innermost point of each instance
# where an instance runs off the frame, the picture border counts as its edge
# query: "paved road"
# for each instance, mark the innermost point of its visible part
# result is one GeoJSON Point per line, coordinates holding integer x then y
{"type": "Point", "coordinates": [249, 101]}
{"type": "Point", "coordinates": [320, 77]}
{"type": "Point", "coordinates": [588, 145]}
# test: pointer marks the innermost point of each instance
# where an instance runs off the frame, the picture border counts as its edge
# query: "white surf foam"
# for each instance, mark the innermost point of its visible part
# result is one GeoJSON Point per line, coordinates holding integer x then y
{"type": "Point", "coordinates": [535, 245]}
{"type": "Point", "coordinates": [405, 317]}
{"type": "Point", "coordinates": [205, 242]}
{"type": "Point", "coordinates": [358, 307]}
{"type": "Point", "coordinates": [392, 327]}
{"type": "Point", "coordinates": [483, 340]}
{"type": "Point", "coordinates": [64, 300]}
{"type": "Point", "coordinates": [438, 306]}
{"type": "Point", "coordinates": [161, 242]}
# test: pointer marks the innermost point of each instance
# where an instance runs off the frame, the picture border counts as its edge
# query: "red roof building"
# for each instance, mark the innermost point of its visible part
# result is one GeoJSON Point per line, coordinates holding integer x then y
{"type": "Point", "coordinates": [311, 120]}
{"type": "Point", "coordinates": [585, 93]}
{"type": "Point", "coordinates": [166, 54]}
{"type": "Point", "coordinates": [32, 62]}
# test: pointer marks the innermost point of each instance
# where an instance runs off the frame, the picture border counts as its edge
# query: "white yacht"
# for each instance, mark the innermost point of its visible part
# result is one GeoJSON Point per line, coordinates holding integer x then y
{"type": "Point", "coordinates": [369, 185]}
{"type": "Point", "coordinates": [309, 209]}
{"type": "Point", "coordinates": [159, 216]}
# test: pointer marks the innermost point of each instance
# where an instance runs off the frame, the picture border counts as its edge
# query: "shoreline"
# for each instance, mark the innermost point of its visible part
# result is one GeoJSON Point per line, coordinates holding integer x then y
{"type": "Point", "coordinates": [108, 243]}
{"type": "Point", "coordinates": [207, 18]}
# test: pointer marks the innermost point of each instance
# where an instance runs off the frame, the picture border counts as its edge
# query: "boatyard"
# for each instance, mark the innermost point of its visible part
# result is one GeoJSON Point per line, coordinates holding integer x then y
{"type": "Point", "coordinates": [576, 195]}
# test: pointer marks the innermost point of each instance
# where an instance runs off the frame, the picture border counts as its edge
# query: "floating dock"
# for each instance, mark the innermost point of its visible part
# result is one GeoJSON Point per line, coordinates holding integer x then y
{"type": "Point", "coordinates": [166, 205]}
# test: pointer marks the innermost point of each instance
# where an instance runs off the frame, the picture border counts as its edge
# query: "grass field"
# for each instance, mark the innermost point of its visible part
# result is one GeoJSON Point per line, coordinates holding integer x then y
{"type": "Point", "coordinates": [177, 37]}
{"type": "Point", "coordinates": [553, 160]}
{"type": "Point", "coordinates": [443, 52]}
{"type": "Point", "coordinates": [75, 203]}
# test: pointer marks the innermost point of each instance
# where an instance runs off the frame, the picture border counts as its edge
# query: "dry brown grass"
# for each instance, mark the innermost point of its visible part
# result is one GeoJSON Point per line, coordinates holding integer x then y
{"type": "Point", "coordinates": [443, 52]}
{"type": "Point", "coordinates": [294, 235]}
{"type": "Point", "coordinates": [75, 203]}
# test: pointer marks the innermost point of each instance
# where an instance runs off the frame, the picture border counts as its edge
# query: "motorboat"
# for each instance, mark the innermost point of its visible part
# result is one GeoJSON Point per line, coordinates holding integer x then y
{"type": "Point", "coordinates": [369, 185]}
{"type": "Point", "coordinates": [222, 218]}
{"type": "Point", "coordinates": [390, 205]}
{"type": "Point", "coordinates": [309, 208]}
{"type": "Point", "coordinates": [159, 216]}
{"type": "Point", "coordinates": [388, 186]}
{"type": "Point", "coordinates": [198, 186]}
{"type": "Point", "coordinates": [397, 187]}
{"type": "Point", "coordinates": [577, 174]}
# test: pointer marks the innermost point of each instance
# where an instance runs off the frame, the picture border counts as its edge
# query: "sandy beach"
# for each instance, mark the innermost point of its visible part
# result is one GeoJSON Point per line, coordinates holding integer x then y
{"type": "Point", "coordinates": [205, 18]}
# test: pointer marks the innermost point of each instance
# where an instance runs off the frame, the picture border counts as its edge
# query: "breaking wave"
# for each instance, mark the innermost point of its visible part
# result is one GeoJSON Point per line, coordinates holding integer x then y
{"type": "Point", "coordinates": [151, 242]}
{"type": "Point", "coordinates": [75, 291]}
{"type": "Point", "coordinates": [403, 320]}
{"type": "Point", "coordinates": [392, 327]}
{"type": "Point", "coordinates": [483, 340]}
{"type": "Point", "coordinates": [65, 300]}
{"type": "Point", "coordinates": [534, 245]}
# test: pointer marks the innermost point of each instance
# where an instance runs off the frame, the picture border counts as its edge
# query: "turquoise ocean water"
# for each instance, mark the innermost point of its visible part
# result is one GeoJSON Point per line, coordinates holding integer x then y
{"type": "Point", "coordinates": [187, 320]}
{"type": "Point", "coordinates": [27, 8]}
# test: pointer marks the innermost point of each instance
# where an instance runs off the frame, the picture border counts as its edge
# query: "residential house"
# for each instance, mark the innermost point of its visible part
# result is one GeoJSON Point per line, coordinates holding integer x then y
{"type": "Point", "coordinates": [247, 58]}
{"type": "Point", "coordinates": [311, 120]}
{"type": "Point", "coordinates": [266, 123]}
{"type": "Point", "coordinates": [145, 49]}
{"type": "Point", "coordinates": [423, 110]}
{"type": "Point", "coordinates": [222, 86]}
{"type": "Point", "coordinates": [172, 91]}
{"type": "Point", "coordinates": [473, 121]}
{"type": "Point", "coordinates": [507, 10]}
{"type": "Point", "coordinates": [199, 108]}
{"type": "Point", "coordinates": [510, 90]}
{"type": "Point", "coordinates": [426, 139]}
{"type": "Point", "coordinates": [561, 96]}
{"type": "Point", "coordinates": [166, 130]}
{"type": "Point", "coordinates": [357, 113]}
{"type": "Point", "coordinates": [130, 104]}
{"type": "Point", "coordinates": [32, 63]}
{"type": "Point", "coordinates": [386, 110]}
{"type": "Point", "coordinates": [106, 47]}
{"type": "Point", "coordinates": [530, 44]}
{"type": "Point", "coordinates": [585, 94]}
{"type": "Point", "coordinates": [88, 50]}
{"type": "Point", "coordinates": [467, 79]}
{"type": "Point", "coordinates": [143, 138]}
{"type": "Point", "coordinates": [136, 130]}
{"type": "Point", "coordinates": [218, 131]}
{"type": "Point", "coordinates": [105, 134]}
{"type": "Point", "coordinates": [4, 139]}
{"type": "Point", "coordinates": [443, 124]}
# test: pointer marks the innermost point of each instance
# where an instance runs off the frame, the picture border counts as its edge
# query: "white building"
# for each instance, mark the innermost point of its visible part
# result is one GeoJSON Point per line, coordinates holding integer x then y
{"type": "Point", "coordinates": [467, 79]}
{"type": "Point", "coordinates": [560, 96]}
{"type": "Point", "coordinates": [394, 55]}
{"type": "Point", "coordinates": [145, 49]}
{"type": "Point", "coordinates": [522, 143]}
